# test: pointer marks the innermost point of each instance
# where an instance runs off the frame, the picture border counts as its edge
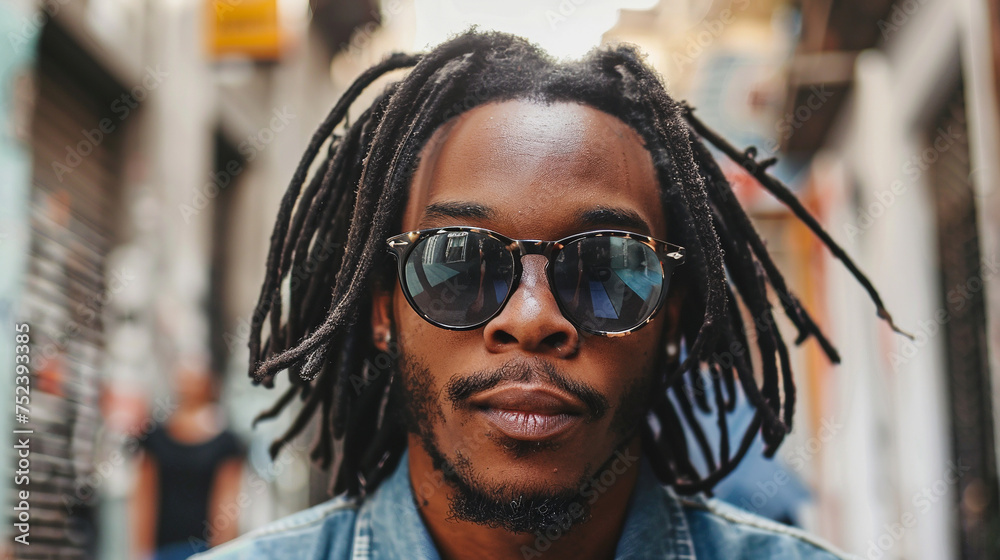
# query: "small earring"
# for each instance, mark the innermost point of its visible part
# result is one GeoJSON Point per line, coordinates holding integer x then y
{"type": "Point", "coordinates": [385, 336]}
{"type": "Point", "coordinates": [671, 350]}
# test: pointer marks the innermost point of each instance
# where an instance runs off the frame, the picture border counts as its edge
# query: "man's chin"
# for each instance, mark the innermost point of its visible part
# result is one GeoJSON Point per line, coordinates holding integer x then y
{"type": "Point", "coordinates": [511, 504]}
{"type": "Point", "coordinates": [519, 510]}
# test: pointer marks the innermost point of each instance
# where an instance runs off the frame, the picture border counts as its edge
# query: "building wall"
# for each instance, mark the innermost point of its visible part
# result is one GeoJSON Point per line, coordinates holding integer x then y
{"type": "Point", "coordinates": [890, 479]}
{"type": "Point", "coordinates": [159, 318]}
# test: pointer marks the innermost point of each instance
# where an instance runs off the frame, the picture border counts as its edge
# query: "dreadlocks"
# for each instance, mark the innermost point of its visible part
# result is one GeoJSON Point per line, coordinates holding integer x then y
{"type": "Point", "coordinates": [335, 229]}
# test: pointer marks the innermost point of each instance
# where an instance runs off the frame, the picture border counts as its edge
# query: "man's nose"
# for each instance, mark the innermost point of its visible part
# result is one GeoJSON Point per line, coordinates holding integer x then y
{"type": "Point", "coordinates": [531, 320]}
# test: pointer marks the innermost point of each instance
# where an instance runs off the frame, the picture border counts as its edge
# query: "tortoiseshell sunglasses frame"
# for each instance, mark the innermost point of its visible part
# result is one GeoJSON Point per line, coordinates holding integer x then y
{"type": "Point", "coordinates": [402, 245]}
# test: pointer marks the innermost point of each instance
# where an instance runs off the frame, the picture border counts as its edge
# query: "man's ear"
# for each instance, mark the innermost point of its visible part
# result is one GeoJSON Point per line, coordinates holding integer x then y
{"type": "Point", "coordinates": [381, 318]}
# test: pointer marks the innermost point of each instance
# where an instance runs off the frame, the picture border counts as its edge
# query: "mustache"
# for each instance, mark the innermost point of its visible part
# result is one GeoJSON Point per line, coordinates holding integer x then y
{"type": "Point", "coordinates": [463, 387]}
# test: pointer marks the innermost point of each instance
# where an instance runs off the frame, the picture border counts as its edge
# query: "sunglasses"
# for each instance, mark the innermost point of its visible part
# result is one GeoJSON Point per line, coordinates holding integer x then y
{"type": "Point", "coordinates": [606, 282]}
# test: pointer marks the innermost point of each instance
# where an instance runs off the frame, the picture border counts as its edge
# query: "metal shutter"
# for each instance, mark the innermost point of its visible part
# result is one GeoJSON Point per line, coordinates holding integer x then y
{"type": "Point", "coordinates": [72, 231]}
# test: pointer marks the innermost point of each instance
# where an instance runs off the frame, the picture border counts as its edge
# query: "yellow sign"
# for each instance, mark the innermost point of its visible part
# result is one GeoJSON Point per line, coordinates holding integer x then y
{"type": "Point", "coordinates": [244, 27]}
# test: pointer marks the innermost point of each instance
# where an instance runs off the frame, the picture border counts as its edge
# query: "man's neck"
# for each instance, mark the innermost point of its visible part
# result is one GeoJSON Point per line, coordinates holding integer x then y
{"type": "Point", "coordinates": [595, 539]}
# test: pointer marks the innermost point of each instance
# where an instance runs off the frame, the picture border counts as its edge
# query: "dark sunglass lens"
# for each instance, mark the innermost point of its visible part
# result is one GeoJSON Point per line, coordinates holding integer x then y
{"type": "Point", "coordinates": [608, 283]}
{"type": "Point", "coordinates": [458, 278]}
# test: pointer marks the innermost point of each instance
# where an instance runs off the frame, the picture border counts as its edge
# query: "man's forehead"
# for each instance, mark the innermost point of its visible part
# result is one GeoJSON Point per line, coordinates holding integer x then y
{"type": "Point", "coordinates": [596, 216]}
{"type": "Point", "coordinates": [518, 161]}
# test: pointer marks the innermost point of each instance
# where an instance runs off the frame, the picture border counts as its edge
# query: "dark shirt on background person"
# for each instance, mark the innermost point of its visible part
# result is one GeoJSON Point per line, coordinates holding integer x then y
{"type": "Point", "coordinates": [186, 473]}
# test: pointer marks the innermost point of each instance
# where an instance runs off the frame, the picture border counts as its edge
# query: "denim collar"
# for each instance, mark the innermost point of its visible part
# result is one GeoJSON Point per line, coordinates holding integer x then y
{"type": "Point", "coordinates": [395, 529]}
{"type": "Point", "coordinates": [655, 524]}
{"type": "Point", "coordinates": [389, 526]}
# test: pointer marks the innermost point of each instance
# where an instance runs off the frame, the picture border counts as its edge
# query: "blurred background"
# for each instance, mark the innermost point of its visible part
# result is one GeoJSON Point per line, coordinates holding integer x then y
{"type": "Point", "coordinates": [145, 144]}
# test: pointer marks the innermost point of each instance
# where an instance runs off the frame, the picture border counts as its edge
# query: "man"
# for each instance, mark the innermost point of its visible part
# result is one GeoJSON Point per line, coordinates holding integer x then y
{"type": "Point", "coordinates": [504, 280]}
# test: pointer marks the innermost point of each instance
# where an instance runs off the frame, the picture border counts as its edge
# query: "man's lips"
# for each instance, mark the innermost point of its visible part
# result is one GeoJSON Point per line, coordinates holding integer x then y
{"type": "Point", "coordinates": [529, 412]}
{"type": "Point", "coordinates": [527, 426]}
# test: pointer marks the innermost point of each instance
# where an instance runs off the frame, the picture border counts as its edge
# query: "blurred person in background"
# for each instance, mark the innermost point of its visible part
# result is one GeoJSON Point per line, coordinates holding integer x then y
{"type": "Point", "coordinates": [486, 395]}
{"type": "Point", "coordinates": [190, 469]}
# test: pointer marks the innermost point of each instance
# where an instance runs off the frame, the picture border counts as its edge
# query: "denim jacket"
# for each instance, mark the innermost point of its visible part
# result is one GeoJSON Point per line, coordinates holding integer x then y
{"type": "Point", "coordinates": [659, 524]}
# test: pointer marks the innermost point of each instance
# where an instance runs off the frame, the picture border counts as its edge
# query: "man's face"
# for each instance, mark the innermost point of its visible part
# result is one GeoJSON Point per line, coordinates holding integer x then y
{"type": "Point", "coordinates": [527, 404]}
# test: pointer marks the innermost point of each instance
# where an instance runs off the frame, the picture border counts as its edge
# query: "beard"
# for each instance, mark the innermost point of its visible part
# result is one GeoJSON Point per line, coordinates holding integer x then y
{"type": "Point", "coordinates": [517, 508]}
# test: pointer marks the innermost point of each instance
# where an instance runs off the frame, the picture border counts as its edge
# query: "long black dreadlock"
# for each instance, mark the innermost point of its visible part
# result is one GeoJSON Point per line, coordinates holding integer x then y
{"type": "Point", "coordinates": [335, 229]}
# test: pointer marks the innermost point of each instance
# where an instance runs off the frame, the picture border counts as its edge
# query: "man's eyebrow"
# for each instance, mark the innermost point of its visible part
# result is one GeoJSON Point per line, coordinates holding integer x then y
{"type": "Point", "coordinates": [619, 217]}
{"type": "Point", "coordinates": [624, 218]}
{"type": "Point", "coordinates": [457, 209]}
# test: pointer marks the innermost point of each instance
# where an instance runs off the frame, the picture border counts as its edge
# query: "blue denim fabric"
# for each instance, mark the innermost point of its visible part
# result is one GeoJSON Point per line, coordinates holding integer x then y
{"type": "Point", "coordinates": [658, 525]}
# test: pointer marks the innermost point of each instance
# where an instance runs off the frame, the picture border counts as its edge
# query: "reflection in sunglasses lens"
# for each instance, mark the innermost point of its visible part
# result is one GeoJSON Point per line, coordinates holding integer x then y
{"type": "Point", "coordinates": [459, 278]}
